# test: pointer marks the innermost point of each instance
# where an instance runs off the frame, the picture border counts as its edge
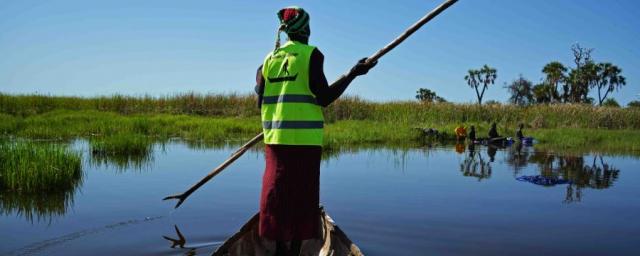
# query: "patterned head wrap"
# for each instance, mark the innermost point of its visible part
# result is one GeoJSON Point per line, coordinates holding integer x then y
{"type": "Point", "coordinates": [293, 21]}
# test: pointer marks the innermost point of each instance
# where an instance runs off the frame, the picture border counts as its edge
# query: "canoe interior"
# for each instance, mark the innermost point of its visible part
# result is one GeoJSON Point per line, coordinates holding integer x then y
{"type": "Point", "coordinates": [332, 241]}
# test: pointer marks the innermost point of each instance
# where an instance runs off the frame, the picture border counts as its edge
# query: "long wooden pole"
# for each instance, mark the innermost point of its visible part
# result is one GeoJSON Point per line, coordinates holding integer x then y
{"type": "Point", "coordinates": [411, 30]}
{"type": "Point", "coordinates": [372, 58]}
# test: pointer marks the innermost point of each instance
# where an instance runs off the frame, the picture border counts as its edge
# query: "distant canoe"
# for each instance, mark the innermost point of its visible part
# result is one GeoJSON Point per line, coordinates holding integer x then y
{"type": "Point", "coordinates": [492, 141]}
{"type": "Point", "coordinates": [527, 140]}
{"type": "Point", "coordinates": [502, 141]}
{"type": "Point", "coordinates": [248, 242]}
{"type": "Point", "coordinates": [497, 140]}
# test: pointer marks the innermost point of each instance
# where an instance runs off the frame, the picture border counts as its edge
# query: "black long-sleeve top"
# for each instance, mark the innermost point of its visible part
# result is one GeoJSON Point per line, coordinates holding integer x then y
{"type": "Point", "coordinates": [318, 84]}
{"type": "Point", "coordinates": [493, 132]}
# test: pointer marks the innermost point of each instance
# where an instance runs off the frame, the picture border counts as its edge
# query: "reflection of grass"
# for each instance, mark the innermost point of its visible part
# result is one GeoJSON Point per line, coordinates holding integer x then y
{"type": "Point", "coordinates": [36, 206]}
{"type": "Point", "coordinates": [122, 150]}
{"type": "Point", "coordinates": [35, 168]}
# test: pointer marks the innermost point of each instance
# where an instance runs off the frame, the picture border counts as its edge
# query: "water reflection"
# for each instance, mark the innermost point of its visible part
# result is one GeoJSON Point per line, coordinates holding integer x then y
{"type": "Point", "coordinates": [579, 171]}
{"type": "Point", "coordinates": [142, 156]}
{"type": "Point", "coordinates": [213, 144]}
{"type": "Point", "coordinates": [138, 159]}
{"type": "Point", "coordinates": [474, 165]}
{"type": "Point", "coordinates": [517, 157]}
{"type": "Point", "coordinates": [574, 171]}
{"type": "Point", "coordinates": [180, 241]}
{"type": "Point", "coordinates": [41, 207]}
{"type": "Point", "coordinates": [122, 162]}
{"type": "Point", "coordinates": [596, 174]}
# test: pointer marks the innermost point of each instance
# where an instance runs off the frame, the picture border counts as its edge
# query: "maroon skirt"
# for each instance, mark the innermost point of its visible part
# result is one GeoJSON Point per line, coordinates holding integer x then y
{"type": "Point", "coordinates": [290, 192]}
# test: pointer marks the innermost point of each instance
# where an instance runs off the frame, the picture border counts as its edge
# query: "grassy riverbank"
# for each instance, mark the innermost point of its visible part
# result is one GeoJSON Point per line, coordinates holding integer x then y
{"type": "Point", "coordinates": [217, 118]}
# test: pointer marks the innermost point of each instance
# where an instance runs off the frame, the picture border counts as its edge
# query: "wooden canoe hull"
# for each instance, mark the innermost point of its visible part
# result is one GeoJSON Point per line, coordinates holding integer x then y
{"type": "Point", "coordinates": [332, 241]}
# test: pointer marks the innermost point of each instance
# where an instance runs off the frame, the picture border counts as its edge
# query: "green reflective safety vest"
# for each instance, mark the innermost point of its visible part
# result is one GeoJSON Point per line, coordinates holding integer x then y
{"type": "Point", "coordinates": [290, 113]}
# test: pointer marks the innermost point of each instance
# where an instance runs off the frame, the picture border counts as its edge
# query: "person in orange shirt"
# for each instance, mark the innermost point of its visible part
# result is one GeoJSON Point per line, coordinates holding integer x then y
{"type": "Point", "coordinates": [461, 133]}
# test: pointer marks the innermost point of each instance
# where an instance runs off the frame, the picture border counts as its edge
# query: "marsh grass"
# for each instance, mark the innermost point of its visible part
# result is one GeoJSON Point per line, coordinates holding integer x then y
{"type": "Point", "coordinates": [595, 140]}
{"type": "Point", "coordinates": [183, 103]}
{"type": "Point", "coordinates": [129, 144]}
{"type": "Point", "coordinates": [66, 124]}
{"type": "Point", "coordinates": [346, 108]}
{"type": "Point", "coordinates": [28, 167]}
{"type": "Point", "coordinates": [215, 118]}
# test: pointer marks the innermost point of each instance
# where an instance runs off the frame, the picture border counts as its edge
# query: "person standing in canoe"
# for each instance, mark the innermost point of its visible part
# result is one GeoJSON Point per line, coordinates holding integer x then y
{"type": "Point", "coordinates": [472, 134]}
{"type": "Point", "coordinates": [519, 133]}
{"type": "Point", "coordinates": [493, 132]}
{"type": "Point", "coordinates": [292, 89]}
{"type": "Point", "coordinates": [461, 133]}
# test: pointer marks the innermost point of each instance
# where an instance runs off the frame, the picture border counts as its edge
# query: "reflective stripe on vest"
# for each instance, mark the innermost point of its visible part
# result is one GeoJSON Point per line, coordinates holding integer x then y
{"type": "Point", "coordinates": [292, 124]}
{"type": "Point", "coordinates": [290, 113]}
{"type": "Point", "coordinates": [289, 98]}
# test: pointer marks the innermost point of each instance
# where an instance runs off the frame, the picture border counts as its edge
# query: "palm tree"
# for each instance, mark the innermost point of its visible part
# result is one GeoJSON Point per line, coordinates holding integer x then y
{"type": "Point", "coordinates": [579, 81]}
{"type": "Point", "coordinates": [473, 80]}
{"type": "Point", "coordinates": [609, 79]}
{"type": "Point", "coordinates": [555, 72]}
{"type": "Point", "coordinates": [541, 93]}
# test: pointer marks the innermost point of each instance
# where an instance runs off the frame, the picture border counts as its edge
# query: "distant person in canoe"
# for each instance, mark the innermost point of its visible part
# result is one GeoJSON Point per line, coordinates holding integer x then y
{"type": "Point", "coordinates": [472, 134]}
{"type": "Point", "coordinates": [519, 134]}
{"type": "Point", "coordinates": [493, 132]}
{"type": "Point", "coordinates": [521, 137]}
{"type": "Point", "coordinates": [461, 133]}
{"type": "Point", "coordinates": [292, 90]}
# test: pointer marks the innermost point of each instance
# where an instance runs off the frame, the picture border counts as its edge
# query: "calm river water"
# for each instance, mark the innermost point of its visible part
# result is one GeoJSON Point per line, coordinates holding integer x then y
{"type": "Point", "coordinates": [389, 201]}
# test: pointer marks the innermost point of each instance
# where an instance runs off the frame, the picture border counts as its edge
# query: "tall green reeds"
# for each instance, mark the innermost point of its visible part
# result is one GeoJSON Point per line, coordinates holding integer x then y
{"type": "Point", "coordinates": [184, 103]}
{"type": "Point", "coordinates": [27, 167]}
{"type": "Point", "coordinates": [37, 181]}
{"type": "Point", "coordinates": [66, 124]}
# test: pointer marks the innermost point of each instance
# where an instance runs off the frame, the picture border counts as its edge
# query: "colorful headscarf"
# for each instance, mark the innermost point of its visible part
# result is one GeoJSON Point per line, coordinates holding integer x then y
{"type": "Point", "coordinates": [293, 21]}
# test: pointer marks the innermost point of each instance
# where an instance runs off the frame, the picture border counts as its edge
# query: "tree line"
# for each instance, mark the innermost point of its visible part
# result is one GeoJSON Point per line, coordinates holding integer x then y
{"type": "Point", "coordinates": [560, 84]}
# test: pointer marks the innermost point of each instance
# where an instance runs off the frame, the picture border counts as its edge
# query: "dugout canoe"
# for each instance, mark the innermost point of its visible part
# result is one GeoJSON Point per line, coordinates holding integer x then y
{"type": "Point", "coordinates": [490, 141]}
{"type": "Point", "coordinates": [332, 241]}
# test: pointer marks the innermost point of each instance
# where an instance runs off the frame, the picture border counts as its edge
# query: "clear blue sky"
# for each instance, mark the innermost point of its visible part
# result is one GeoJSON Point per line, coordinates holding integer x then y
{"type": "Point", "coordinates": [162, 47]}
